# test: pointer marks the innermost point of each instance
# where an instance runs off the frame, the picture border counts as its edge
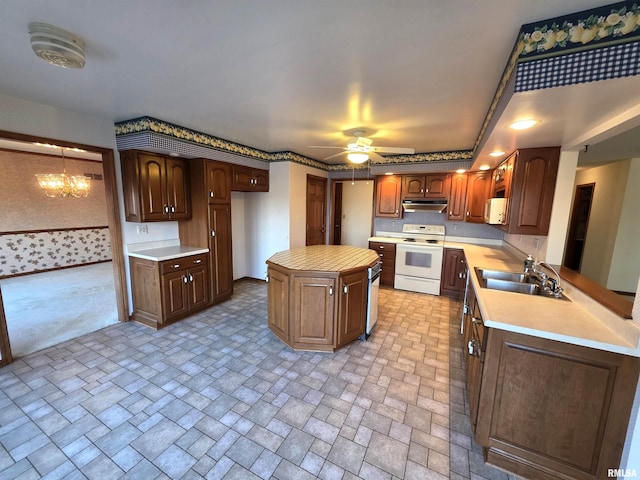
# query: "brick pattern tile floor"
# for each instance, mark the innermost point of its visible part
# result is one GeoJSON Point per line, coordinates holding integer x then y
{"type": "Point", "coordinates": [219, 396]}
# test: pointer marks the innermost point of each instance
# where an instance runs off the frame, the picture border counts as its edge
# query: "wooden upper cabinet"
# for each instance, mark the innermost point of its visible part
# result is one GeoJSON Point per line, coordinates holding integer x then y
{"type": "Point", "coordinates": [478, 190]}
{"type": "Point", "coordinates": [424, 186]}
{"type": "Point", "coordinates": [457, 196]}
{"type": "Point", "coordinates": [247, 179]}
{"type": "Point", "coordinates": [532, 190]}
{"type": "Point", "coordinates": [218, 182]}
{"type": "Point", "coordinates": [502, 177]}
{"type": "Point", "coordinates": [156, 188]}
{"type": "Point", "coordinates": [388, 189]}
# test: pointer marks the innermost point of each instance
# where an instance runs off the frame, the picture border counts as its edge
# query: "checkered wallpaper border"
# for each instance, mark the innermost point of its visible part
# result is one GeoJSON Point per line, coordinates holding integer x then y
{"type": "Point", "coordinates": [616, 61]}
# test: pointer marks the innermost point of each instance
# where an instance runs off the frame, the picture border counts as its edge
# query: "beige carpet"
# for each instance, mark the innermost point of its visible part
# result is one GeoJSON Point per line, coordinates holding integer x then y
{"type": "Point", "coordinates": [44, 309]}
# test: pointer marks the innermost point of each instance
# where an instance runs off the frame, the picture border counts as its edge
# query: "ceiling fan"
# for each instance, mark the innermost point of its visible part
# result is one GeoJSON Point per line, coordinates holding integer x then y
{"type": "Point", "coordinates": [359, 150]}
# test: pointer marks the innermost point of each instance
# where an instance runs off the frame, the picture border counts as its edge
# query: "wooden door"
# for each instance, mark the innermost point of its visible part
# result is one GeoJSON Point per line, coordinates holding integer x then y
{"type": "Point", "coordinates": [352, 316]}
{"type": "Point", "coordinates": [316, 210]}
{"type": "Point", "coordinates": [153, 187]}
{"type": "Point", "coordinates": [388, 190]}
{"type": "Point", "coordinates": [435, 185]}
{"type": "Point", "coordinates": [313, 311]}
{"type": "Point", "coordinates": [278, 303]}
{"type": "Point", "coordinates": [221, 264]}
{"type": "Point", "coordinates": [578, 226]}
{"type": "Point", "coordinates": [175, 298]}
{"type": "Point", "coordinates": [178, 195]}
{"type": "Point", "coordinates": [457, 197]}
{"type": "Point", "coordinates": [241, 178]}
{"type": "Point", "coordinates": [5, 347]}
{"type": "Point", "coordinates": [218, 182]}
{"type": "Point", "coordinates": [336, 238]}
{"type": "Point", "coordinates": [478, 188]}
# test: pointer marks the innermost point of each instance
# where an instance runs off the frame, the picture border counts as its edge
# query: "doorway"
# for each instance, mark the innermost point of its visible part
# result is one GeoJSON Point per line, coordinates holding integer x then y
{"type": "Point", "coordinates": [316, 210]}
{"type": "Point", "coordinates": [578, 226]}
{"type": "Point", "coordinates": [352, 212]}
{"type": "Point", "coordinates": [116, 267]}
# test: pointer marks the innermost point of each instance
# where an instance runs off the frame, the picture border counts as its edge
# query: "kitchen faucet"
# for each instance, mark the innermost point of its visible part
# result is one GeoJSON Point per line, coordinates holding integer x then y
{"type": "Point", "coordinates": [549, 285]}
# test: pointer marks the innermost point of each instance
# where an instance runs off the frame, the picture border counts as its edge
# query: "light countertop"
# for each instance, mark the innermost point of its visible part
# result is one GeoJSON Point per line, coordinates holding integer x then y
{"type": "Point", "coordinates": [580, 321]}
{"type": "Point", "coordinates": [325, 258]}
{"type": "Point", "coordinates": [167, 253]}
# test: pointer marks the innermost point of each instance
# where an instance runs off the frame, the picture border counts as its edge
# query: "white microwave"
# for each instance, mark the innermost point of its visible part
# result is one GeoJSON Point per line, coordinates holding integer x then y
{"type": "Point", "coordinates": [495, 211]}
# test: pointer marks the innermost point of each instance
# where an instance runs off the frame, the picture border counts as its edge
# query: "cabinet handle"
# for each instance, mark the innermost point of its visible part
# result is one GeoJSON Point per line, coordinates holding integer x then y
{"type": "Point", "coordinates": [381, 247]}
{"type": "Point", "coordinates": [345, 290]}
{"type": "Point", "coordinates": [166, 208]}
{"type": "Point", "coordinates": [190, 278]}
{"type": "Point", "coordinates": [173, 209]}
{"type": "Point", "coordinates": [177, 265]}
{"type": "Point", "coordinates": [266, 277]}
{"type": "Point", "coordinates": [476, 320]}
{"type": "Point", "coordinates": [426, 190]}
{"type": "Point", "coordinates": [197, 261]}
{"type": "Point", "coordinates": [213, 233]}
{"type": "Point", "coordinates": [211, 194]}
{"type": "Point", "coordinates": [467, 214]}
{"type": "Point", "coordinates": [422, 190]}
{"type": "Point", "coordinates": [451, 213]}
{"type": "Point", "coordinates": [396, 212]}
{"type": "Point", "coordinates": [185, 279]}
{"type": "Point", "coordinates": [330, 290]}
{"type": "Point", "coordinates": [381, 254]}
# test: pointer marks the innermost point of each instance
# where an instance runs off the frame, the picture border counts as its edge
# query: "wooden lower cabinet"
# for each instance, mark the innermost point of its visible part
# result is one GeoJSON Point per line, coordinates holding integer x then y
{"type": "Point", "coordinates": [314, 310]}
{"type": "Point", "coordinates": [454, 270]}
{"type": "Point", "coordinates": [387, 253]}
{"type": "Point", "coordinates": [550, 410]}
{"type": "Point", "coordinates": [166, 291]}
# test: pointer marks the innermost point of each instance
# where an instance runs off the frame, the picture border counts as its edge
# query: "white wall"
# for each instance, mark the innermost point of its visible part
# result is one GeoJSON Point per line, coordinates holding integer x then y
{"type": "Point", "coordinates": [606, 207]}
{"type": "Point", "coordinates": [625, 260]}
{"type": "Point", "coordinates": [357, 204]}
{"type": "Point", "coordinates": [238, 235]}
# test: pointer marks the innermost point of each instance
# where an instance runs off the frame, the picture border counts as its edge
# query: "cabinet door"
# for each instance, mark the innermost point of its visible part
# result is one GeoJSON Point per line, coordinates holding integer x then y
{"type": "Point", "coordinates": [198, 287]}
{"type": "Point", "coordinates": [175, 301]}
{"type": "Point", "coordinates": [313, 311]}
{"type": "Point", "coordinates": [388, 196]}
{"type": "Point", "coordinates": [260, 180]}
{"type": "Point", "coordinates": [532, 190]}
{"type": "Point", "coordinates": [477, 193]}
{"type": "Point", "coordinates": [278, 303]}
{"type": "Point", "coordinates": [453, 265]}
{"type": "Point", "coordinates": [218, 182]}
{"type": "Point", "coordinates": [413, 186]}
{"type": "Point", "coordinates": [178, 196]}
{"type": "Point", "coordinates": [457, 197]}
{"type": "Point", "coordinates": [435, 186]}
{"type": "Point", "coordinates": [241, 178]}
{"type": "Point", "coordinates": [153, 187]}
{"type": "Point", "coordinates": [220, 250]}
{"type": "Point", "coordinates": [352, 315]}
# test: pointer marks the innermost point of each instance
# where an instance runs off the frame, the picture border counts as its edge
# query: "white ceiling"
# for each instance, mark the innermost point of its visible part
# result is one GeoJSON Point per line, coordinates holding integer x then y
{"type": "Point", "coordinates": [285, 74]}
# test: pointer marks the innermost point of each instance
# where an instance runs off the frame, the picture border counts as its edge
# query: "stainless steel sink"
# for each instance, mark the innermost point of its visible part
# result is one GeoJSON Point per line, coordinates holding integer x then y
{"type": "Point", "coordinates": [516, 282]}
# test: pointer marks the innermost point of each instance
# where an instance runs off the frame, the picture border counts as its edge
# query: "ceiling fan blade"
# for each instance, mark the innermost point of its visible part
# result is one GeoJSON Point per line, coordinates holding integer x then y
{"type": "Point", "coordinates": [335, 155]}
{"type": "Point", "coordinates": [399, 150]}
{"type": "Point", "coordinates": [375, 157]}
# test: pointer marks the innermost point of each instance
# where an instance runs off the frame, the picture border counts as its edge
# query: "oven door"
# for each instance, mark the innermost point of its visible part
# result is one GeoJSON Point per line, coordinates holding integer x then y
{"type": "Point", "coordinates": [419, 261]}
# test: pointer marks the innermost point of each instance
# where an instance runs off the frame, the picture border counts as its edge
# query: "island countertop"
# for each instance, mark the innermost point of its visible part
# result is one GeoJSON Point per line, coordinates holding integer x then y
{"type": "Point", "coordinates": [325, 258]}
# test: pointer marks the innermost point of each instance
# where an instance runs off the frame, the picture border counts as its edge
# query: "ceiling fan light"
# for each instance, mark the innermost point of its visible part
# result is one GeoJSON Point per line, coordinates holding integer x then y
{"type": "Point", "coordinates": [357, 157]}
{"type": "Point", "coordinates": [56, 46]}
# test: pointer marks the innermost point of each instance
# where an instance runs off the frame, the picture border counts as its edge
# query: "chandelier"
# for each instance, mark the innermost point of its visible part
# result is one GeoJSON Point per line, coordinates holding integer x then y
{"type": "Point", "coordinates": [63, 185]}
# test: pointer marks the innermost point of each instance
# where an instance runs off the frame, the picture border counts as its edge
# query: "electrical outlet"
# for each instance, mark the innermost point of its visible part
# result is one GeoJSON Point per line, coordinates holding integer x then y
{"type": "Point", "coordinates": [393, 224]}
{"type": "Point", "coordinates": [536, 243]}
{"type": "Point", "coordinates": [455, 226]}
{"type": "Point", "coordinates": [142, 229]}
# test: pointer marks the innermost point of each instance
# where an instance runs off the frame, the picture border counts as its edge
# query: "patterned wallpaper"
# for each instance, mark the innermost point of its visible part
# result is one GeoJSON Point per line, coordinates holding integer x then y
{"type": "Point", "coordinates": [28, 252]}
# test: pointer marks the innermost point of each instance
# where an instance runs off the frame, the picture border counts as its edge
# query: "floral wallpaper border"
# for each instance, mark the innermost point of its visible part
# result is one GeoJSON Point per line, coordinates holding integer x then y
{"type": "Point", "coordinates": [601, 27]}
{"type": "Point", "coordinates": [30, 252]}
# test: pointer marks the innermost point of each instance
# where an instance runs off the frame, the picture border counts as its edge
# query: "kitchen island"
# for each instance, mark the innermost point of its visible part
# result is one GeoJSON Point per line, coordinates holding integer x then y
{"type": "Point", "coordinates": [317, 295]}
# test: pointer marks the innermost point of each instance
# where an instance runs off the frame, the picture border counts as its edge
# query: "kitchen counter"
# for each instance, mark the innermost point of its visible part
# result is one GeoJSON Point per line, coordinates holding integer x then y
{"type": "Point", "coordinates": [324, 258]}
{"type": "Point", "coordinates": [167, 253]}
{"type": "Point", "coordinates": [317, 295]}
{"type": "Point", "coordinates": [580, 321]}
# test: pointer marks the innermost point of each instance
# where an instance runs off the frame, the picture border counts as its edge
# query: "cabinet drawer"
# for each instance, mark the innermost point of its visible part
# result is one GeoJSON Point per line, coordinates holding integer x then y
{"type": "Point", "coordinates": [183, 263]}
{"type": "Point", "coordinates": [387, 249]}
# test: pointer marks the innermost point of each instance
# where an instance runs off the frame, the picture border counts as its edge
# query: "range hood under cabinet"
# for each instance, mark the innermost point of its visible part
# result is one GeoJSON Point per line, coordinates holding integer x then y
{"type": "Point", "coordinates": [439, 206]}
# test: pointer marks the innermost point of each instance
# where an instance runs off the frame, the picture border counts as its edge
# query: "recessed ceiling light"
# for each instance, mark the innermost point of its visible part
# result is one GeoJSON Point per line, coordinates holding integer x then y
{"type": "Point", "coordinates": [460, 170]}
{"type": "Point", "coordinates": [388, 173]}
{"type": "Point", "coordinates": [484, 167]}
{"type": "Point", "coordinates": [496, 154]}
{"type": "Point", "coordinates": [523, 124]}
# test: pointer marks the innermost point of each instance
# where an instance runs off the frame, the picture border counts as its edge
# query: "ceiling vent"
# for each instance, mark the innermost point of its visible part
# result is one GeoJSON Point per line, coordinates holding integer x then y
{"type": "Point", "coordinates": [57, 46]}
